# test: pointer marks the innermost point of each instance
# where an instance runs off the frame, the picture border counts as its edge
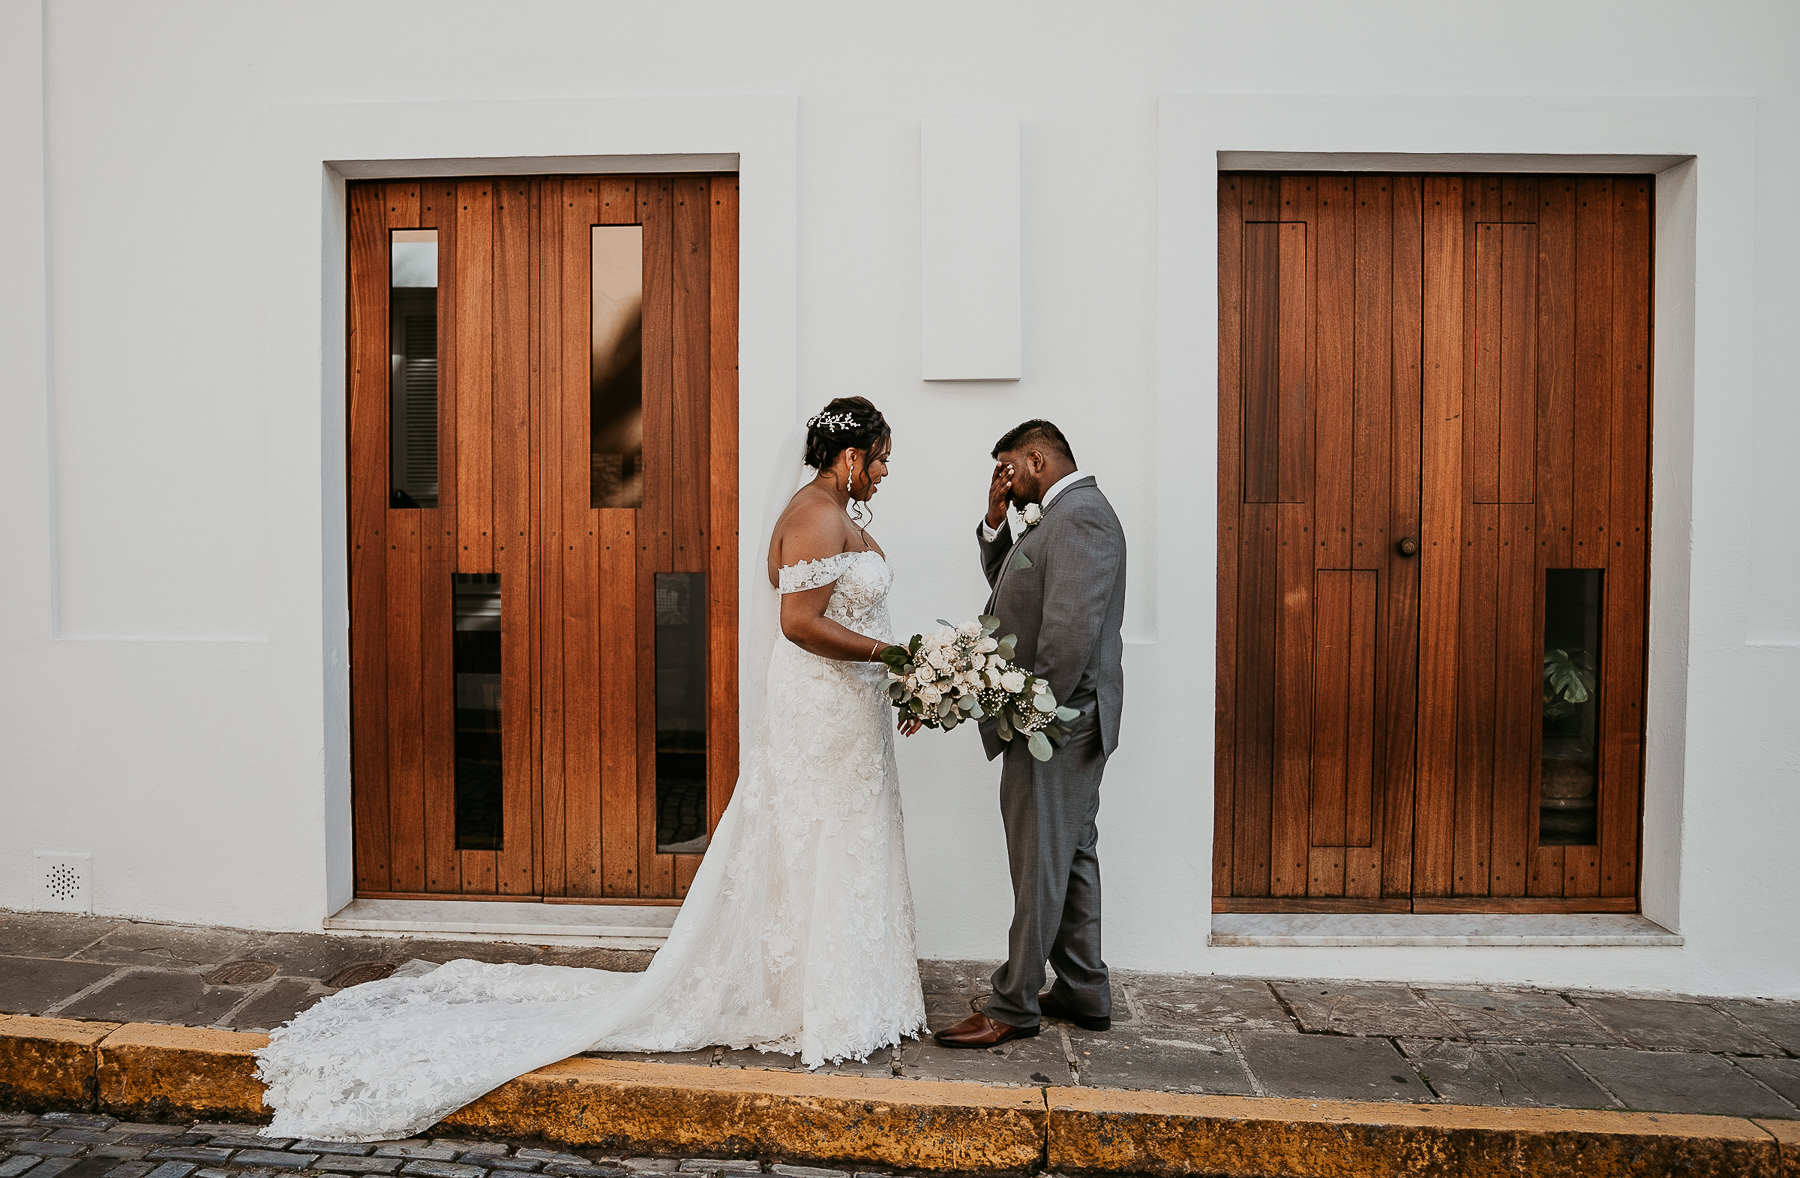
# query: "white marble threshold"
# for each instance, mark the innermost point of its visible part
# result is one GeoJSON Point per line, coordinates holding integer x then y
{"type": "Point", "coordinates": [1375, 930]}
{"type": "Point", "coordinates": [616, 926]}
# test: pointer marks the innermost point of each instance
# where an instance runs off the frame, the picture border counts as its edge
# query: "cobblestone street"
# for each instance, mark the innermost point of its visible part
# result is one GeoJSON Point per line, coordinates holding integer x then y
{"type": "Point", "coordinates": [1171, 1033]}
{"type": "Point", "coordinates": [85, 1145]}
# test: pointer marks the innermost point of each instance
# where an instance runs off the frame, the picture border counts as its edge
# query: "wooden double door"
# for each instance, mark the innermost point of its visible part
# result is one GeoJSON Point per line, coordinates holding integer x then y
{"type": "Point", "coordinates": [1434, 423]}
{"type": "Point", "coordinates": [542, 449]}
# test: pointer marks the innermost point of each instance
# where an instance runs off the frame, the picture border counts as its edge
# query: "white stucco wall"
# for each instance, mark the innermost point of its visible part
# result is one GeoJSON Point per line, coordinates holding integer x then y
{"type": "Point", "coordinates": [171, 596]}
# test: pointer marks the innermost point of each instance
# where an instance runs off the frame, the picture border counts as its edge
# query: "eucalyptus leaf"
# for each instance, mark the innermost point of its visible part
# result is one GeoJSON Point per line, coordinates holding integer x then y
{"type": "Point", "coordinates": [1066, 714]}
{"type": "Point", "coordinates": [989, 623]}
{"type": "Point", "coordinates": [1055, 731]}
{"type": "Point", "coordinates": [1005, 728]}
{"type": "Point", "coordinates": [976, 712]}
{"type": "Point", "coordinates": [1038, 746]}
{"type": "Point", "coordinates": [946, 625]}
{"type": "Point", "coordinates": [944, 708]}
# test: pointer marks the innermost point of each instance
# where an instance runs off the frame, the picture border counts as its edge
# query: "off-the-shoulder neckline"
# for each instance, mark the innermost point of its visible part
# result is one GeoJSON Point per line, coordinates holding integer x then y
{"type": "Point", "coordinates": [800, 564]}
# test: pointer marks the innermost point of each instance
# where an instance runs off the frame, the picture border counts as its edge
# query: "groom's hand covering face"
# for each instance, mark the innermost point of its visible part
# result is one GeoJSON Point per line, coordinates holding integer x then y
{"type": "Point", "coordinates": [1000, 492]}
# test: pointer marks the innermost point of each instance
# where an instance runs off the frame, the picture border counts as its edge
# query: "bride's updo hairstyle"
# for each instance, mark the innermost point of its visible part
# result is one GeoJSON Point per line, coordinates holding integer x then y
{"type": "Point", "coordinates": [844, 424]}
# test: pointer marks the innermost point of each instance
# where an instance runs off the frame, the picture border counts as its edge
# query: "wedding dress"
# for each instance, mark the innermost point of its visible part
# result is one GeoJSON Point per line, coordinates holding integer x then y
{"type": "Point", "coordinates": [796, 936]}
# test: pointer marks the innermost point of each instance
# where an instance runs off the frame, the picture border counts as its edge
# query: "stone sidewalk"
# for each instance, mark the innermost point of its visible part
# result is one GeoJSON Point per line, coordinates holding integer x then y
{"type": "Point", "coordinates": [88, 1145]}
{"type": "Point", "coordinates": [1243, 1036]}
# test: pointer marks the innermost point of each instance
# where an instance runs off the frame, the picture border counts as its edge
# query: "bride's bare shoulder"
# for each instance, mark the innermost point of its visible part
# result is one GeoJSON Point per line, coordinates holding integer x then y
{"type": "Point", "coordinates": [811, 528]}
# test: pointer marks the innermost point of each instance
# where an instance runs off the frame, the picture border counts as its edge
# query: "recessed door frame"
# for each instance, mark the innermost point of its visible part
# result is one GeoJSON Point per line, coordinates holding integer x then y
{"type": "Point", "coordinates": [1201, 135]}
{"type": "Point", "coordinates": [314, 150]}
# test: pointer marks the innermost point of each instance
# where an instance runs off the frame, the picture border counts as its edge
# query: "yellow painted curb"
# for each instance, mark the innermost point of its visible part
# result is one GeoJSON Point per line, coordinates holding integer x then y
{"type": "Point", "coordinates": [907, 1124]}
{"type": "Point", "coordinates": [1787, 1134]}
{"type": "Point", "coordinates": [48, 1064]}
{"type": "Point", "coordinates": [1161, 1133]}
{"type": "Point", "coordinates": [158, 1073]}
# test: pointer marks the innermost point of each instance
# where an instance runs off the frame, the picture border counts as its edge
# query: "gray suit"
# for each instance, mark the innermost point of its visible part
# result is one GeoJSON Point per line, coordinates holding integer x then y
{"type": "Point", "coordinates": [1061, 589]}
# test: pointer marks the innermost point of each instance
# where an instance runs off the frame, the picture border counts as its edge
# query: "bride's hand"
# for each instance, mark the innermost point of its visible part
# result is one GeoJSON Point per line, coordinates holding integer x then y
{"type": "Point", "coordinates": [909, 725]}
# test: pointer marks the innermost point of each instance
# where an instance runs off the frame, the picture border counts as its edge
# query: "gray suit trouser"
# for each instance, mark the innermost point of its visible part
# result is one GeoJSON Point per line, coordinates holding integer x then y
{"type": "Point", "coordinates": [1050, 808]}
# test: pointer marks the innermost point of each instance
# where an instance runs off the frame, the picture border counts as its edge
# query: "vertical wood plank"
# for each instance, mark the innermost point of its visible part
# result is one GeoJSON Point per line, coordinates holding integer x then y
{"type": "Point", "coordinates": [480, 872]}
{"type": "Point", "coordinates": [437, 564]}
{"type": "Point", "coordinates": [1230, 494]}
{"type": "Point", "coordinates": [1475, 688]}
{"type": "Point", "coordinates": [1294, 342]}
{"type": "Point", "coordinates": [1556, 370]}
{"type": "Point", "coordinates": [513, 336]}
{"type": "Point", "coordinates": [474, 376]}
{"type": "Point", "coordinates": [656, 873]}
{"type": "Point", "coordinates": [1332, 688]}
{"type": "Point", "coordinates": [1261, 355]}
{"type": "Point", "coordinates": [1441, 541]}
{"type": "Point", "coordinates": [1293, 698]}
{"type": "Point", "coordinates": [617, 585]}
{"type": "Point", "coordinates": [1360, 673]}
{"type": "Point", "coordinates": [1592, 448]}
{"type": "Point", "coordinates": [691, 409]}
{"type": "Point", "coordinates": [1622, 649]}
{"type": "Point", "coordinates": [551, 541]}
{"type": "Point", "coordinates": [1485, 392]}
{"type": "Point", "coordinates": [722, 507]}
{"type": "Point", "coordinates": [367, 420]}
{"type": "Point", "coordinates": [1518, 700]}
{"type": "Point", "coordinates": [1333, 250]}
{"type": "Point", "coordinates": [1255, 744]}
{"type": "Point", "coordinates": [1399, 667]}
{"type": "Point", "coordinates": [583, 668]}
{"type": "Point", "coordinates": [1518, 364]}
{"type": "Point", "coordinates": [406, 761]}
{"type": "Point", "coordinates": [1371, 459]}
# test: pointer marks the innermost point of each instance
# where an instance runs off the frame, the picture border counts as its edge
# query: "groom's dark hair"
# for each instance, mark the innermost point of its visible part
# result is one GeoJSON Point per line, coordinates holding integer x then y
{"type": "Point", "coordinates": [1037, 430]}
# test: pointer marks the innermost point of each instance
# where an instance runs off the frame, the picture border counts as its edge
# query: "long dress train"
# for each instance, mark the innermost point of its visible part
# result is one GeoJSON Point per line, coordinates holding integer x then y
{"type": "Point", "coordinates": [796, 936]}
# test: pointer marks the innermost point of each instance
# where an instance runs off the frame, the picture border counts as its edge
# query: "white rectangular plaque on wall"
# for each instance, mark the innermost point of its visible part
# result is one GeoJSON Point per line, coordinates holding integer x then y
{"type": "Point", "coordinates": [969, 247]}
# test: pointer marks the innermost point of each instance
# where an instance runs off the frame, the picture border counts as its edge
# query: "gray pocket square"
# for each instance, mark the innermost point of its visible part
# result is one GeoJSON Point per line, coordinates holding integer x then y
{"type": "Point", "coordinates": [1021, 561]}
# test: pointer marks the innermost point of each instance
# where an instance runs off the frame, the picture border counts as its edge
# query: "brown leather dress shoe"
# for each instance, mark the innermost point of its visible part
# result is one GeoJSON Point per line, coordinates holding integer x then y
{"type": "Point", "coordinates": [978, 1030]}
{"type": "Point", "coordinates": [1050, 1007]}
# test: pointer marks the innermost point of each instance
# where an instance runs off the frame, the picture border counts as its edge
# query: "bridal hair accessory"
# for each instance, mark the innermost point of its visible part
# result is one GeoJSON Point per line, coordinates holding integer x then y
{"type": "Point", "coordinates": [831, 421]}
{"type": "Point", "coordinates": [963, 673]}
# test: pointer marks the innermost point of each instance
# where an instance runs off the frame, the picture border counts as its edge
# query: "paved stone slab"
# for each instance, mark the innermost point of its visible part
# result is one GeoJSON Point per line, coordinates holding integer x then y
{"type": "Point", "coordinates": [693, 1059]}
{"type": "Point", "coordinates": [157, 997]}
{"type": "Point", "coordinates": [172, 1170]}
{"type": "Point", "coordinates": [720, 1166]}
{"type": "Point", "coordinates": [1675, 1026]}
{"type": "Point", "coordinates": [430, 1169]}
{"type": "Point", "coordinates": [1514, 1075]}
{"type": "Point", "coordinates": [1518, 1017]}
{"type": "Point", "coordinates": [1329, 1067]}
{"type": "Point", "coordinates": [117, 1153]}
{"type": "Point", "coordinates": [278, 1160]}
{"type": "Point", "coordinates": [1161, 1059]}
{"type": "Point", "coordinates": [251, 1141]}
{"type": "Point", "coordinates": [880, 1063]}
{"type": "Point", "coordinates": [166, 945]}
{"type": "Point", "coordinates": [1223, 1004]}
{"type": "Point", "coordinates": [1779, 1021]}
{"type": "Point", "coordinates": [1678, 1082]}
{"type": "Point", "coordinates": [16, 1120]}
{"type": "Point", "coordinates": [1783, 1075]}
{"type": "Point", "coordinates": [92, 1166]}
{"type": "Point", "coordinates": [649, 1165]}
{"type": "Point", "coordinates": [430, 1153]}
{"type": "Point", "coordinates": [808, 1172]}
{"type": "Point", "coordinates": [1032, 1062]}
{"type": "Point", "coordinates": [136, 1170]}
{"type": "Point", "coordinates": [51, 934]}
{"type": "Point", "coordinates": [190, 1153]}
{"type": "Point", "coordinates": [549, 1155]}
{"type": "Point", "coordinates": [308, 1145]}
{"type": "Point", "coordinates": [51, 1167]}
{"type": "Point", "coordinates": [351, 1164]}
{"type": "Point", "coordinates": [1364, 1010]}
{"type": "Point", "coordinates": [93, 1121]}
{"type": "Point", "coordinates": [85, 1136]}
{"type": "Point", "coordinates": [500, 1163]}
{"type": "Point", "coordinates": [30, 986]}
{"type": "Point", "coordinates": [285, 998]}
{"type": "Point", "coordinates": [50, 1149]}
{"type": "Point", "coordinates": [17, 1164]}
{"type": "Point", "coordinates": [585, 1170]}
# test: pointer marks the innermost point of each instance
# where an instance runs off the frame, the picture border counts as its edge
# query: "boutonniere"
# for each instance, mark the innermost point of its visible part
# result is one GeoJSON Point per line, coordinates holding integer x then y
{"type": "Point", "coordinates": [1031, 517]}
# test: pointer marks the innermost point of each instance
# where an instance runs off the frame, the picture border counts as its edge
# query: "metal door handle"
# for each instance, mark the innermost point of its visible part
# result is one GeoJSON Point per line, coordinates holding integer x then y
{"type": "Point", "coordinates": [1407, 546]}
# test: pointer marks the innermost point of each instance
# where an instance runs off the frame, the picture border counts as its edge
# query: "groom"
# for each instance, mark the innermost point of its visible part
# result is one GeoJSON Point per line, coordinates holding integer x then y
{"type": "Point", "coordinates": [1060, 586]}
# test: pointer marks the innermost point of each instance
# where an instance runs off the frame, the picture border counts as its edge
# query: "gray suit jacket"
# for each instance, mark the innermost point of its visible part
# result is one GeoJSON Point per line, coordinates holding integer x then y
{"type": "Point", "coordinates": [1061, 589]}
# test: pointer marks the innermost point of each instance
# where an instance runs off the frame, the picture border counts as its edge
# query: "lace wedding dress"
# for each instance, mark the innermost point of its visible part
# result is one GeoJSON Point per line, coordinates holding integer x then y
{"type": "Point", "coordinates": [796, 936]}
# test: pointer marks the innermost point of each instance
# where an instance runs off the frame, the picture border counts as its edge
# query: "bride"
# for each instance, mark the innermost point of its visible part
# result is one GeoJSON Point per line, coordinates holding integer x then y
{"type": "Point", "coordinates": [797, 934]}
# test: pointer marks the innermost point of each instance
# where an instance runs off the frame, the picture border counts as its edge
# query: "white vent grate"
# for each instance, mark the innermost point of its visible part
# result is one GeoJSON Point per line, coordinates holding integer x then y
{"type": "Point", "coordinates": [62, 881]}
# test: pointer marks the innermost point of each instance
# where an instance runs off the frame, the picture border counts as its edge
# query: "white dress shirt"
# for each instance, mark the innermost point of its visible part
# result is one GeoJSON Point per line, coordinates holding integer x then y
{"type": "Point", "coordinates": [1056, 488]}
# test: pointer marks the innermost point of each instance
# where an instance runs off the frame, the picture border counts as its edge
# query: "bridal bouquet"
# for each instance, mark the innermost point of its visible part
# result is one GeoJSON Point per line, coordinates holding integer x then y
{"type": "Point", "coordinates": [962, 673]}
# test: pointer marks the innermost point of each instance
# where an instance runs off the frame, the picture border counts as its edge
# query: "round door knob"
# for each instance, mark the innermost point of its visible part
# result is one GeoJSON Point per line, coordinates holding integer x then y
{"type": "Point", "coordinates": [1408, 546]}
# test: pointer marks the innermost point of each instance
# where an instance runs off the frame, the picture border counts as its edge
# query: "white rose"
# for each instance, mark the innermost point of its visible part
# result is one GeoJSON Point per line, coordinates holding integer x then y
{"type": "Point", "coordinates": [993, 678]}
{"type": "Point", "coordinates": [942, 636]}
{"type": "Point", "coordinates": [925, 674]}
{"type": "Point", "coordinates": [996, 663]}
{"type": "Point", "coordinates": [1013, 682]}
{"type": "Point", "coordinates": [970, 629]}
{"type": "Point", "coordinates": [939, 659]}
{"type": "Point", "coordinates": [931, 694]}
{"type": "Point", "coordinates": [1033, 513]}
{"type": "Point", "coordinates": [986, 643]}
